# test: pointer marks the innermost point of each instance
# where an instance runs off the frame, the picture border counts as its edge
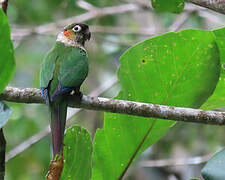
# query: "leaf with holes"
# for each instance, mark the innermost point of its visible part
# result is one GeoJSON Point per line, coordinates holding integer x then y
{"type": "Point", "coordinates": [5, 113]}
{"type": "Point", "coordinates": [77, 154]}
{"type": "Point", "coordinates": [175, 6]}
{"type": "Point", "coordinates": [180, 69]}
{"type": "Point", "coordinates": [7, 53]}
{"type": "Point", "coordinates": [217, 100]}
{"type": "Point", "coordinates": [214, 168]}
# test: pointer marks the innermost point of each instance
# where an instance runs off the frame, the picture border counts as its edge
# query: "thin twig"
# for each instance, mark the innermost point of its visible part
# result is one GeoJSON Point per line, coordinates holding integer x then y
{"type": "Point", "coordinates": [97, 12]}
{"type": "Point", "coordinates": [215, 5]}
{"type": "Point", "coordinates": [179, 21]}
{"type": "Point", "coordinates": [32, 95]}
{"type": "Point", "coordinates": [22, 32]}
{"type": "Point", "coordinates": [86, 5]}
{"type": "Point", "coordinates": [122, 30]}
{"type": "Point", "coordinates": [53, 28]}
{"type": "Point", "coordinates": [27, 143]}
{"type": "Point", "coordinates": [212, 17]}
{"type": "Point", "coordinates": [176, 161]}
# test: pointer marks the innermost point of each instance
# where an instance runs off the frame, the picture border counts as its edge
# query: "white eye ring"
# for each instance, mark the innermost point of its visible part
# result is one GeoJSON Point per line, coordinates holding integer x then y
{"type": "Point", "coordinates": [77, 28]}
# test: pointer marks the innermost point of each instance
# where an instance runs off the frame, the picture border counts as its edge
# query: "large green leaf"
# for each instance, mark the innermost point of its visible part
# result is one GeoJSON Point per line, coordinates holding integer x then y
{"type": "Point", "coordinates": [175, 6]}
{"type": "Point", "coordinates": [5, 113]}
{"type": "Point", "coordinates": [218, 98]}
{"type": "Point", "coordinates": [180, 69]}
{"type": "Point", "coordinates": [214, 169]}
{"type": "Point", "coordinates": [7, 53]}
{"type": "Point", "coordinates": [77, 154]}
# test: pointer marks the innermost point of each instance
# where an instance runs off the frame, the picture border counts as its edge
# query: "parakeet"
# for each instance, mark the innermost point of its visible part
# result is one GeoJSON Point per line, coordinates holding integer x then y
{"type": "Point", "coordinates": [64, 69]}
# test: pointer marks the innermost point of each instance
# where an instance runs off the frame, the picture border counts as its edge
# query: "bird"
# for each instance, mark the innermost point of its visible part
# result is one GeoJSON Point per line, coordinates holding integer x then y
{"type": "Point", "coordinates": [64, 69]}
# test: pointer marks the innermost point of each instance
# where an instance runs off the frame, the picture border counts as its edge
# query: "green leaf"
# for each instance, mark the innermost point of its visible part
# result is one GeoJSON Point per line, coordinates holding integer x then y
{"type": "Point", "coordinates": [77, 154]}
{"type": "Point", "coordinates": [180, 69]}
{"type": "Point", "coordinates": [214, 168]}
{"type": "Point", "coordinates": [5, 113]}
{"type": "Point", "coordinates": [217, 100]}
{"type": "Point", "coordinates": [175, 6]}
{"type": "Point", "coordinates": [7, 53]}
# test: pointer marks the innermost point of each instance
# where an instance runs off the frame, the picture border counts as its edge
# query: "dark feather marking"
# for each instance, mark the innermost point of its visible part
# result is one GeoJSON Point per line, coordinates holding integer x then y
{"type": "Point", "coordinates": [60, 90]}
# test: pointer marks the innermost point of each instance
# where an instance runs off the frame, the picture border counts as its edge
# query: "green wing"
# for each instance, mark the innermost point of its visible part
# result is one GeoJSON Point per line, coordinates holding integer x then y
{"type": "Point", "coordinates": [73, 67]}
{"type": "Point", "coordinates": [65, 65]}
{"type": "Point", "coordinates": [48, 67]}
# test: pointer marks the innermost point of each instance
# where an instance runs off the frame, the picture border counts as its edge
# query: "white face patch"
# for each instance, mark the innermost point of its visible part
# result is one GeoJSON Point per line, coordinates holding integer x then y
{"type": "Point", "coordinates": [76, 28]}
{"type": "Point", "coordinates": [67, 42]}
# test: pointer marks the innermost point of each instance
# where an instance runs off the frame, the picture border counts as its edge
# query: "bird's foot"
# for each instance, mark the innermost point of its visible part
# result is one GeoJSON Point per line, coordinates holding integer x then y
{"type": "Point", "coordinates": [80, 95]}
{"type": "Point", "coordinates": [77, 95]}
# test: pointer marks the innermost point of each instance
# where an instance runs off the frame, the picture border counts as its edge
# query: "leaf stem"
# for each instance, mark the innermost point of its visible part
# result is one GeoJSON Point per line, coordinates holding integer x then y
{"type": "Point", "coordinates": [138, 148]}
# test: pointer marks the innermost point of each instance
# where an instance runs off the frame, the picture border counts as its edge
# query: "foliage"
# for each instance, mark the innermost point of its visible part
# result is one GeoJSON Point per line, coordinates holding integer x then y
{"type": "Point", "coordinates": [218, 98]}
{"type": "Point", "coordinates": [7, 53]}
{"type": "Point", "coordinates": [214, 169]}
{"type": "Point", "coordinates": [179, 69]}
{"type": "Point", "coordinates": [77, 154]}
{"type": "Point", "coordinates": [7, 69]}
{"type": "Point", "coordinates": [175, 6]}
{"type": "Point", "coordinates": [168, 69]}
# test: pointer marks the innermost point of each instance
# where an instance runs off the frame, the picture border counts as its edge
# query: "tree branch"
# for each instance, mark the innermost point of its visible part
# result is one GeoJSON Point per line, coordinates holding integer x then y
{"type": "Point", "coordinates": [215, 5]}
{"type": "Point", "coordinates": [176, 161]}
{"type": "Point", "coordinates": [32, 95]}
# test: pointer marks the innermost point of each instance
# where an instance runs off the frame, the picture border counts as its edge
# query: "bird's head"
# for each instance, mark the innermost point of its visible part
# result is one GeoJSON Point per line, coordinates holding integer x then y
{"type": "Point", "coordinates": [77, 33]}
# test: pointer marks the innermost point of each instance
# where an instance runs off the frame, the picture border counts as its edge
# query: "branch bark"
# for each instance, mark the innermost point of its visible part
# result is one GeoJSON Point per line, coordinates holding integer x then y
{"type": "Point", "coordinates": [32, 95]}
{"type": "Point", "coordinates": [215, 5]}
{"type": "Point", "coordinates": [176, 162]}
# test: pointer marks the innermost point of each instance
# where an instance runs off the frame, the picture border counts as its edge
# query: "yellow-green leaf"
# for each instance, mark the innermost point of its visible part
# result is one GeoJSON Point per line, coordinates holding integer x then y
{"type": "Point", "coordinates": [175, 6]}
{"type": "Point", "coordinates": [180, 69]}
{"type": "Point", "coordinates": [217, 100]}
{"type": "Point", "coordinates": [77, 153]}
{"type": "Point", "coordinates": [6, 52]}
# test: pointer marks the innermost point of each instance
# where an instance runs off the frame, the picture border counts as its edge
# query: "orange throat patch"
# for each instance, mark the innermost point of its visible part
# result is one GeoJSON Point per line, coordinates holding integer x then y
{"type": "Point", "coordinates": [68, 34]}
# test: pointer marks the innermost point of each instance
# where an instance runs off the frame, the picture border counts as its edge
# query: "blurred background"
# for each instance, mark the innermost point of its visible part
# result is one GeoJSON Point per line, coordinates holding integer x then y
{"type": "Point", "coordinates": [115, 26]}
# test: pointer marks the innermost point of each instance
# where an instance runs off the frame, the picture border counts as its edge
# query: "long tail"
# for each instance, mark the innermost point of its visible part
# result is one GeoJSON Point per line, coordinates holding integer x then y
{"type": "Point", "coordinates": [58, 120]}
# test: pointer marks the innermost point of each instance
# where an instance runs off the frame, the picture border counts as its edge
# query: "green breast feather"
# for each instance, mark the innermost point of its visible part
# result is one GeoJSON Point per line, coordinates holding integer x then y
{"type": "Point", "coordinates": [68, 64]}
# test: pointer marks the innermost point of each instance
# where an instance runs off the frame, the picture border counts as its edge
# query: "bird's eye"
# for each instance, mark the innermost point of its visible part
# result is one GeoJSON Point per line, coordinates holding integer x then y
{"type": "Point", "coordinates": [77, 28]}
